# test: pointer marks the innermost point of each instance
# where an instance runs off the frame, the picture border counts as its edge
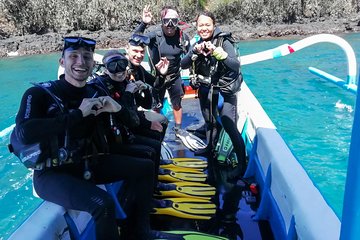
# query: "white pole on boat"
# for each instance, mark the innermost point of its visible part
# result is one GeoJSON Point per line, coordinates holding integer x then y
{"type": "Point", "coordinates": [286, 49]}
{"type": "Point", "coordinates": [350, 223]}
{"type": "Point", "coordinates": [351, 87]}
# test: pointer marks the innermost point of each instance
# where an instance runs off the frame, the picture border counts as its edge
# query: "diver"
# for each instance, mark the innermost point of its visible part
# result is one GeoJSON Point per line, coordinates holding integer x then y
{"type": "Point", "coordinates": [216, 75]}
{"type": "Point", "coordinates": [150, 120]}
{"type": "Point", "coordinates": [166, 47]}
{"type": "Point", "coordinates": [62, 180]}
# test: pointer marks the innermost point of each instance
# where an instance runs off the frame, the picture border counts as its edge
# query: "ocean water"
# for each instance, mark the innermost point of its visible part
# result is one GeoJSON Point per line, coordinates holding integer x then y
{"type": "Point", "coordinates": [313, 116]}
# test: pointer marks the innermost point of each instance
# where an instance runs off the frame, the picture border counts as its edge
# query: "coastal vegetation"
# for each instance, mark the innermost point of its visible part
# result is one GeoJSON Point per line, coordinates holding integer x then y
{"type": "Point", "coordinates": [105, 19]}
{"type": "Point", "coordinates": [21, 17]}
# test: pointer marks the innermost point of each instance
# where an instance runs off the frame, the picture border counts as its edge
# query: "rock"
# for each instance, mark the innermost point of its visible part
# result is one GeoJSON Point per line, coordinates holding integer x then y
{"type": "Point", "coordinates": [52, 42]}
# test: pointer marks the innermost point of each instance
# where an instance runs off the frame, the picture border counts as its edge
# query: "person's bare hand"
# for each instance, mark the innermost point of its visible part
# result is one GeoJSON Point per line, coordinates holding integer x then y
{"type": "Point", "coordinates": [163, 65]}
{"type": "Point", "coordinates": [146, 14]}
{"type": "Point", "coordinates": [204, 48]}
{"type": "Point", "coordinates": [108, 105]}
{"type": "Point", "coordinates": [198, 47]}
{"type": "Point", "coordinates": [210, 46]}
{"type": "Point", "coordinates": [89, 106]}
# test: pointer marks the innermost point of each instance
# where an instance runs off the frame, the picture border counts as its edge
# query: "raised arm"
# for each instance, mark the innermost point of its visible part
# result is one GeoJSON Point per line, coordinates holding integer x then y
{"type": "Point", "coordinates": [146, 19]}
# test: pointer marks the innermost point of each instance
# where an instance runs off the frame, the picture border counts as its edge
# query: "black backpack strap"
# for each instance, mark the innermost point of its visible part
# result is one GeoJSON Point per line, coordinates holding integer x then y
{"type": "Point", "coordinates": [102, 85]}
{"type": "Point", "coordinates": [217, 42]}
{"type": "Point", "coordinates": [183, 42]}
{"type": "Point", "coordinates": [50, 88]}
{"type": "Point", "coordinates": [158, 39]}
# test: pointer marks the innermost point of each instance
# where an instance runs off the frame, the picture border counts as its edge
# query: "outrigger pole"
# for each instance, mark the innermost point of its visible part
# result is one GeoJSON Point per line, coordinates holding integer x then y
{"type": "Point", "coordinates": [286, 49]}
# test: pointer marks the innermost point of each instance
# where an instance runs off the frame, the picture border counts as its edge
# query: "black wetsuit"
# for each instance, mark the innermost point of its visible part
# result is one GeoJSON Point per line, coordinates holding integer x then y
{"type": "Point", "coordinates": [230, 68]}
{"type": "Point", "coordinates": [145, 100]}
{"type": "Point", "coordinates": [137, 145]}
{"type": "Point", "coordinates": [172, 48]}
{"type": "Point", "coordinates": [38, 118]}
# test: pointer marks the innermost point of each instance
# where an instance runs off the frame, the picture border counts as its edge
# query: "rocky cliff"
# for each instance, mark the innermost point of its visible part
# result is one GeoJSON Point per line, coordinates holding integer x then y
{"type": "Point", "coordinates": [37, 26]}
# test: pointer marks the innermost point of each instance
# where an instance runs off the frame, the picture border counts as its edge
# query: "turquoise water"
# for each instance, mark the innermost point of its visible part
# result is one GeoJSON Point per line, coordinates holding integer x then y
{"type": "Point", "coordinates": [301, 105]}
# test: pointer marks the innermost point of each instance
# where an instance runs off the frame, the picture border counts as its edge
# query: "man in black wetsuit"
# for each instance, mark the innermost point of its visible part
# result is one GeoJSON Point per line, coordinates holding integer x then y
{"type": "Point", "coordinates": [151, 120]}
{"type": "Point", "coordinates": [64, 183]}
{"type": "Point", "coordinates": [166, 46]}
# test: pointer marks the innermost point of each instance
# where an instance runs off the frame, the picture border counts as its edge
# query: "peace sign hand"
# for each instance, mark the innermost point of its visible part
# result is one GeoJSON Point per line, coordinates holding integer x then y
{"type": "Point", "coordinates": [146, 15]}
{"type": "Point", "coordinates": [163, 65]}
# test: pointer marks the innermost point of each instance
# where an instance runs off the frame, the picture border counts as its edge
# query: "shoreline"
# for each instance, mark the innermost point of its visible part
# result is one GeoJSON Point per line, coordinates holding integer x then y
{"type": "Point", "coordinates": [52, 42]}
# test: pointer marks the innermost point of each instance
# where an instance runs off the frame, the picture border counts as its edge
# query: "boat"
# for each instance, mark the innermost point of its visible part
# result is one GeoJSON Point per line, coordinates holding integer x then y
{"type": "Point", "coordinates": [280, 200]}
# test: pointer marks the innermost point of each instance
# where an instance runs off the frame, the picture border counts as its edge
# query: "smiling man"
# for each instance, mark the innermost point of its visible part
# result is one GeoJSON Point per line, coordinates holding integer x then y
{"type": "Point", "coordinates": [166, 46]}
{"type": "Point", "coordinates": [155, 124]}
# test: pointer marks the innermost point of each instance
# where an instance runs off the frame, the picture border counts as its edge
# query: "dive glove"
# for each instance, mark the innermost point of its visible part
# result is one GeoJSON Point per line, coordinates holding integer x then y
{"type": "Point", "coordinates": [220, 54]}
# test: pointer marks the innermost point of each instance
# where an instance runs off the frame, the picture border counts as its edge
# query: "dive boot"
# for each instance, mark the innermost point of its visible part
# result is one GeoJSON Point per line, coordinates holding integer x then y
{"type": "Point", "coordinates": [229, 228]}
{"type": "Point", "coordinates": [185, 189]}
{"type": "Point", "coordinates": [203, 152]}
{"type": "Point", "coordinates": [189, 208]}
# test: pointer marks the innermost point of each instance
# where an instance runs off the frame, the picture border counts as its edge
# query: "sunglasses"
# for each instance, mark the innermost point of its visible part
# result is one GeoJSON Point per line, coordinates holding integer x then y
{"type": "Point", "coordinates": [170, 22]}
{"type": "Point", "coordinates": [139, 40]}
{"type": "Point", "coordinates": [77, 42]}
{"type": "Point", "coordinates": [116, 64]}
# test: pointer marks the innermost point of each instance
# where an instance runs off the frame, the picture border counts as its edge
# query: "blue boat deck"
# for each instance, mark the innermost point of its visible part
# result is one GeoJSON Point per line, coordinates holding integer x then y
{"type": "Point", "coordinates": [246, 227]}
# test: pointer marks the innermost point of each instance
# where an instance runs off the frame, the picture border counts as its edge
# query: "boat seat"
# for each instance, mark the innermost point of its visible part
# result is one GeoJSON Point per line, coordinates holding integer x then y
{"type": "Point", "coordinates": [113, 189]}
{"type": "Point", "coordinates": [79, 230]}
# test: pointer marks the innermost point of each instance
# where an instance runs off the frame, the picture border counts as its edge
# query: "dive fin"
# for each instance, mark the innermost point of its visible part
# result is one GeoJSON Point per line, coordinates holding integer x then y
{"type": "Point", "coordinates": [183, 163]}
{"type": "Point", "coordinates": [191, 141]}
{"type": "Point", "coordinates": [185, 189]}
{"type": "Point", "coordinates": [190, 208]}
{"type": "Point", "coordinates": [177, 176]}
{"type": "Point", "coordinates": [166, 152]}
{"type": "Point", "coordinates": [191, 235]}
